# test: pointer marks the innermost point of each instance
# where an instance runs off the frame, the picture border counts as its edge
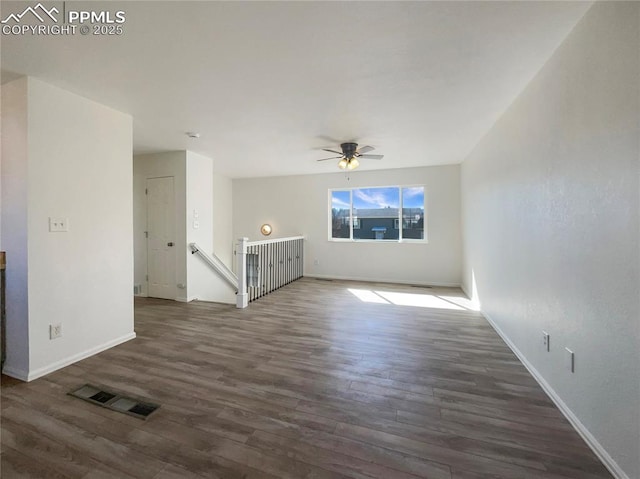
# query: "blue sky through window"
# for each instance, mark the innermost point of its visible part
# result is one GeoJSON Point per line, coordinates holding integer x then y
{"type": "Point", "coordinates": [341, 200]}
{"type": "Point", "coordinates": [413, 197]}
{"type": "Point", "coordinates": [376, 198]}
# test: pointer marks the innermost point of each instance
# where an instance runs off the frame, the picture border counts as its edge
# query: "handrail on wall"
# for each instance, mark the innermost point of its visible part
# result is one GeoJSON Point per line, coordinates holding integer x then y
{"type": "Point", "coordinates": [217, 264]}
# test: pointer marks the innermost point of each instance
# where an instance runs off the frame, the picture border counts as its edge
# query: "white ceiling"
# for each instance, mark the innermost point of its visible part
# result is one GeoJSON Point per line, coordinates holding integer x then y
{"type": "Point", "coordinates": [267, 84]}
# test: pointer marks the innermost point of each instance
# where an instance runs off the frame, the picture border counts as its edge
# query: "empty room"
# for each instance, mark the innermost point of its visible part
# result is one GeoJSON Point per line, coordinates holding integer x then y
{"type": "Point", "coordinates": [318, 239]}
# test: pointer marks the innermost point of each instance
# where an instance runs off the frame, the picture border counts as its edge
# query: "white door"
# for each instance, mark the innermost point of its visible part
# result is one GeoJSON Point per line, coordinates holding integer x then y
{"type": "Point", "coordinates": [161, 250]}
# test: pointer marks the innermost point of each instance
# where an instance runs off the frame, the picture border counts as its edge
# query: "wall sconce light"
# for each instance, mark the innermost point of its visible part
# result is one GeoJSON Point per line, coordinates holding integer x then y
{"type": "Point", "coordinates": [265, 229]}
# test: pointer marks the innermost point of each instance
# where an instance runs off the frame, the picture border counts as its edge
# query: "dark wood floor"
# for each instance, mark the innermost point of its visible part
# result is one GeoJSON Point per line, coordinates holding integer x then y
{"type": "Point", "coordinates": [308, 382]}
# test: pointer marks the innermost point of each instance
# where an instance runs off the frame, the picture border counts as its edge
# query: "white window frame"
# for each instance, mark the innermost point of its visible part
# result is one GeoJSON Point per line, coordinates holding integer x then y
{"type": "Point", "coordinates": [398, 221]}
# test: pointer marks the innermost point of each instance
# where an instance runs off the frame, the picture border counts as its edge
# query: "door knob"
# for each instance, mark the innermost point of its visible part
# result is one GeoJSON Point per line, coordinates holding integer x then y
{"type": "Point", "coordinates": [170, 243]}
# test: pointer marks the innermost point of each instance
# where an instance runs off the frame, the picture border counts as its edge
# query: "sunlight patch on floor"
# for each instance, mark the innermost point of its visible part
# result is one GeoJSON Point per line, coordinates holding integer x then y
{"type": "Point", "coordinates": [460, 301]}
{"type": "Point", "coordinates": [412, 299]}
{"type": "Point", "coordinates": [367, 296]}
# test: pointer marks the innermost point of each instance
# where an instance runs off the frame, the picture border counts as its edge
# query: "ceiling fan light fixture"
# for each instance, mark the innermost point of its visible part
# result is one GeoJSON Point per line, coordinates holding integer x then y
{"type": "Point", "coordinates": [353, 164]}
{"type": "Point", "coordinates": [343, 163]}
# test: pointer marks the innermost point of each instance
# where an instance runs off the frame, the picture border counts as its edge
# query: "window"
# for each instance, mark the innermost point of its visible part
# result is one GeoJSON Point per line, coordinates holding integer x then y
{"type": "Point", "coordinates": [413, 212]}
{"type": "Point", "coordinates": [340, 214]}
{"type": "Point", "coordinates": [394, 213]}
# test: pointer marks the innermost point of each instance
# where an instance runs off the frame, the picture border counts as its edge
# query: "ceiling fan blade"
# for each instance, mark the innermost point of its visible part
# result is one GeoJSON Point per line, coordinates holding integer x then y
{"type": "Point", "coordinates": [371, 157]}
{"type": "Point", "coordinates": [332, 158]}
{"type": "Point", "coordinates": [332, 151]}
{"type": "Point", "coordinates": [364, 149]}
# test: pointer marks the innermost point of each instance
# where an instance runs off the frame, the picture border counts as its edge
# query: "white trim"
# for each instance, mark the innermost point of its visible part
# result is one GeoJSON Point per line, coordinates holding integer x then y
{"type": "Point", "coordinates": [586, 435]}
{"type": "Point", "coordinates": [242, 300]}
{"type": "Point", "coordinates": [15, 373]}
{"type": "Point", "coordinates": [183, 299]}
{"type": "Point", "coordinates": [371, 240]}
{"type": "Point", "coordinates": [31, 375]}
{"type": "Point", "coordinates": [373, 280]}
{"type": "Point", "coordinates": [274, 240]}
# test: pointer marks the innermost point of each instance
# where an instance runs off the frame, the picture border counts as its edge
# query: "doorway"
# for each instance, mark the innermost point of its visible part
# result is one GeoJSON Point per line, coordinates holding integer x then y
{"type": "Point", "coordinates": [161, 255]}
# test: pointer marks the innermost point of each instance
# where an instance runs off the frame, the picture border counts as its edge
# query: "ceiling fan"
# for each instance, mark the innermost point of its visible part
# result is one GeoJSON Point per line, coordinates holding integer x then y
{"type": "Point", "coordinates": [350, 155]}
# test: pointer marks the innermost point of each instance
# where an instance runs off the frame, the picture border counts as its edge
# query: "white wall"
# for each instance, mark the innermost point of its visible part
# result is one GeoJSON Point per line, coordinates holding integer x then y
{"type": "Point", "coordinates": [203, 282]}
{"type": "Point", "coordinates": [223, 239]}
{"type": "Point", "coordinates": [551, 230]}
{"type": "Point", "coordinates": [158, 165]}
{"type": "Point", "coordinates": [14, 221]}
{"type": "Point", "coordinates": [78, 166]}
{"type": "Point", "coordinates": [299, 205]}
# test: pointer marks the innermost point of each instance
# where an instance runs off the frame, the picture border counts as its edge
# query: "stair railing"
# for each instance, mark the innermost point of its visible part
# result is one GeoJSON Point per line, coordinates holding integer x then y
{"type": "Point", "coordinates": [217, 265]}
{"type": "Point", "coordinates": [264, 266]}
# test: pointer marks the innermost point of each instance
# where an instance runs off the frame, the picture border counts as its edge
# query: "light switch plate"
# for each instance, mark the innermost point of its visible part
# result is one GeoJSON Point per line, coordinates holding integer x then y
{"type": "Point", "coordinates": [546, 341]}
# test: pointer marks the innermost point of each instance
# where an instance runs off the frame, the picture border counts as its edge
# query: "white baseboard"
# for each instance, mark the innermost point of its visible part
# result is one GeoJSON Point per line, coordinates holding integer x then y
{"type": "Point", "coordinates": [31, 375]}
{"type": "Point", "coordinates": [184, 299]}
{"type": "Point", "coordinates": [20, 374]}
{"type": "Point", "coordinates": [591, 441]}
{"type": "Point", "coordinates": [373, 280]}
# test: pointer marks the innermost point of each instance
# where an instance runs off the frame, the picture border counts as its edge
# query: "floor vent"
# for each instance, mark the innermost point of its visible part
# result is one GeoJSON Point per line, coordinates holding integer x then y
{"type": "Point", "coordinates": [102, 397]}
{"type": "Point", "coordinates": [116, 402]}
{"type": "Point", "coordinates": [323, 279]}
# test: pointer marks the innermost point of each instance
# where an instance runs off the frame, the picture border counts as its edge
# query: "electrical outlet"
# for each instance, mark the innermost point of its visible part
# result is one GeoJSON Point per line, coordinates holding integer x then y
{"type": "Point", "coordinates": [546, 341]}
{"type": "Point", "coordinates": [58, 225]}
{"type": "Point", "coordinates": [570, 360]}
{"type": "Point", "coordinates": [316, 262]}
{"type": "Point", "coordinates": [55, 331]}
